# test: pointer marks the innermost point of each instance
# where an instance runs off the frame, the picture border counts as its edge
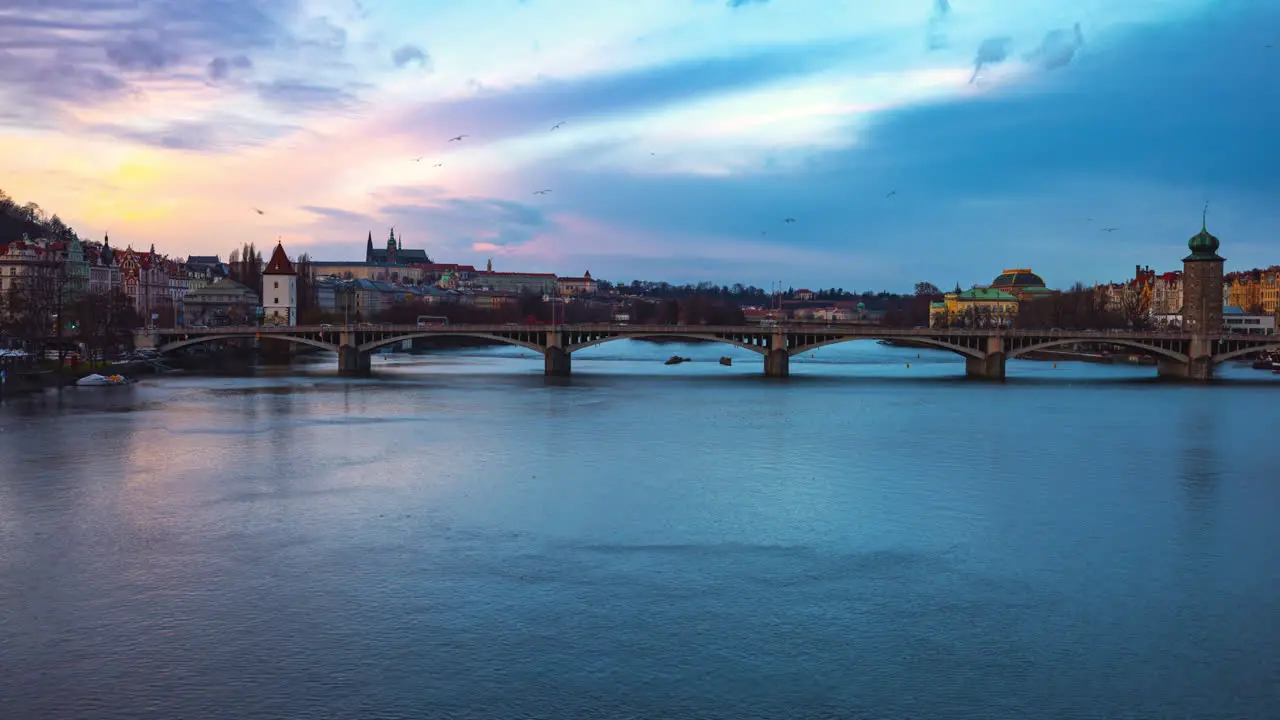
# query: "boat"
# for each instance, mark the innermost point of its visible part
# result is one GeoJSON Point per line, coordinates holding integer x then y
{"type": "Point", "coordinates": [726, 360]}
{"type": "Point", "coordinates": [96, 380]}
{"type": "Point", "coordinates": [675, 360]}
{"type": "Point", "coordinates": [1264, 362]}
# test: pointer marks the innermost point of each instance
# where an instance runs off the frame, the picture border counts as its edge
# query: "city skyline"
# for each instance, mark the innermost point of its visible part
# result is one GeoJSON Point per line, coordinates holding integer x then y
{"type": "Point", "coordinates": [686, 133]}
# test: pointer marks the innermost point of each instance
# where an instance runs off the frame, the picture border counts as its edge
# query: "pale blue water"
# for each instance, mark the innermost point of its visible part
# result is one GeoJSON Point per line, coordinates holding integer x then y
{"type": "Point", "coordinates": [461, 538]}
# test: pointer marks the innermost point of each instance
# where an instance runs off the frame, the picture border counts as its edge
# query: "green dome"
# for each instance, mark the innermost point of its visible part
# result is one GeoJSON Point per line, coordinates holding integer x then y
{"type": "Point", "coordinates": [1204, 246]}
{"type": "Point", "coordinates": [1203, 243]}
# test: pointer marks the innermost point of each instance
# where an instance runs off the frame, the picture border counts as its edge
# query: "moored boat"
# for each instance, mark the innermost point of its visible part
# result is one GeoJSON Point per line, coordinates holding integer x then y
{"type": "Point", "coordinates": [96, 380]}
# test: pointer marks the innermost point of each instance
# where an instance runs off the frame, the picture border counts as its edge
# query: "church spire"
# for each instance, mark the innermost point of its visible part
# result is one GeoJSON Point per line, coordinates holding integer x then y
{"type": "Point", "coordinates": [368, 253]}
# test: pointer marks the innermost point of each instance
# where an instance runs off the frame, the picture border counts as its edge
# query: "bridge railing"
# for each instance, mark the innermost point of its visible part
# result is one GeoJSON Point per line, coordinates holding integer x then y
{"type": "Point", "coordinates": [869, 331]}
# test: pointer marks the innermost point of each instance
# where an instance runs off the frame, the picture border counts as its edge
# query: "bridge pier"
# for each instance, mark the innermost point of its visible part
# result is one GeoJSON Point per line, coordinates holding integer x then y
{"type": "Point", "coordinates": [989, 367]}
{"type": "Point", "coordinates": [557, 362]}
{"type": "Point", "coordinates": [777, 363]}
{"type": "Point", "coordinates": [1196, 370]}
{"type": "Point", "coordinates": [353, 362]}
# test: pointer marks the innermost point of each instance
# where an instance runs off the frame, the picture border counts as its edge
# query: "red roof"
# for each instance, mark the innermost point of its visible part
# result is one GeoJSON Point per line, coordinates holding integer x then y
{"type": "Point", "coordinates": [487, 273]}
{"type": "Point", "coordinates": [279, 264]}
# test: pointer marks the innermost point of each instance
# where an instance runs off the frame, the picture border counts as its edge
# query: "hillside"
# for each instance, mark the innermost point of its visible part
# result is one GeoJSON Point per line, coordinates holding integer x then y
{"type": "Point", "coordinates": [12, 229]}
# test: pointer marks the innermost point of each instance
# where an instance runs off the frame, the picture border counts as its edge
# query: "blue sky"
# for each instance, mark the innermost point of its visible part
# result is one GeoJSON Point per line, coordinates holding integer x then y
{"type": "Point", "coordinates": [1010, 132]}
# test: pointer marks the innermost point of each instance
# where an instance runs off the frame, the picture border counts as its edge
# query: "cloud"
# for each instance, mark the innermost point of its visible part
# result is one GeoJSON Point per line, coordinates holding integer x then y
{"type": "Point", "coordinates": [141, 53]}
{"type": "Point", "coordinates": [220, 68]}
{"type": "Point", "coordinates": [992, 51]}
{"type": "Point", "coordinates": [213, 134]}
{"type": "Point", "coordinates": [1057, 49]}
{"type": "Point", "coordinates": [406, 55]}
{"type": "Point", "coordinates": [300, 96]}
{"type": "Point", "coordinates": [488, 115]}
{"type": "Point", "coordinates": [937, 38]}
{"type": "Point", "coordinates": [68, 53]}
{"type": "Point", "coordinates": [1007, 176]}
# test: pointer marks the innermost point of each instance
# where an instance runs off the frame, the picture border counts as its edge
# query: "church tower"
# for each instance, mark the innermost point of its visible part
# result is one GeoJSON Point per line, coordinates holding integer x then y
{"type": "Point", "coordinates": [391, 248]}
{"type": "Point", "coordinates": [1202, 284]}
{"type": "Point", "coordinates": [368, 253]}
{"type": "Point", "coordinates": [279, 290]}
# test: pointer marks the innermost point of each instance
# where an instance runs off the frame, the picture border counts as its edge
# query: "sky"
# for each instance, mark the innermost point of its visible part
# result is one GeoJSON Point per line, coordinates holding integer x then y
{"type": "Point", "coordinates": [913, 140]}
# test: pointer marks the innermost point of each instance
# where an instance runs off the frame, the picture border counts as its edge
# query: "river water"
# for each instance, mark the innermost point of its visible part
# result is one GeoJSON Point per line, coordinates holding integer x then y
{"type": "Point", "coordinates": [461, 538]}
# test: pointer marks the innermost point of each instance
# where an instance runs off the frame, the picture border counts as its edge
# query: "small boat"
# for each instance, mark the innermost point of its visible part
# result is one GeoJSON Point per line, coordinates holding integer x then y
{"type": "Point", "coordinates": [675, 360]}
{"type": "Point", "coordinates": [726, 360]}
{"type": "Point", "coordinates": [96, 380]}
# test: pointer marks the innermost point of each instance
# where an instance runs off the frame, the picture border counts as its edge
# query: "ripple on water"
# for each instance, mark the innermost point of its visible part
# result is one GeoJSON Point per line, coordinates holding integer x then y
{"type": "Point", "coordinates": [468, 540]}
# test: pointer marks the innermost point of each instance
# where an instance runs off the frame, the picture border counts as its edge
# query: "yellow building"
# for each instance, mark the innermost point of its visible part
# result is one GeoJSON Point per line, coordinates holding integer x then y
{"type": "Point", "coordinates": [976, 307]}
{"type": "Point", "coordinates": [1255, 290]}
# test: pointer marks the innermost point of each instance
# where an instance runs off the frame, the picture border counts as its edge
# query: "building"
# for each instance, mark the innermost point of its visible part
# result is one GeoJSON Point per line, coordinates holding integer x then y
{"type": "Point", "coordinates": [1166, 294]}
{"type": "Point", "coordinates": [393, 264]}
{"type": "Point", "coordinates": [26, 261]}
{"type": "Point", "coordinates": [542, 284]}
{"type": "Point", "coordinates": [1236, 320]}
{"type": "Point", "coordinates": [576, 286]}
{"type": "Point", "coordinates": [204, 270]}
{"type": "Point", "coordinates": [1022, 284]}
{"type": "Point", "coordinates": [394, 254]}
{"type": "Point", "coordinates": [1202, 284]}
{"type": "Point", "coordinates": [155, 285]}
{"type": "Point", "coordinates": [975, 307]}
{"type": "Point", "coordinates": [279, 290]}
{"type": "Point", "coordinates": [222, 302]}
{"type": "Point", "coordinates": [1255, 290]}
{"type": "Point", "coordinates": [104, 273]}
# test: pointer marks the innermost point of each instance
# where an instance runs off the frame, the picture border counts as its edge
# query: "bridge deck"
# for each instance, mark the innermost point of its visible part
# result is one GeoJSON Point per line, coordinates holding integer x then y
{"type": "Point", "coordinates": [868, 331]}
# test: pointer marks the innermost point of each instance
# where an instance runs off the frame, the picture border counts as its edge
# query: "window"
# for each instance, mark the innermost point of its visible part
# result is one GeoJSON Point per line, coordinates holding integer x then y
{"type": "Point", "coordinates": [275, 301]}
{"type": "Point", "coordinates": [276, 285]}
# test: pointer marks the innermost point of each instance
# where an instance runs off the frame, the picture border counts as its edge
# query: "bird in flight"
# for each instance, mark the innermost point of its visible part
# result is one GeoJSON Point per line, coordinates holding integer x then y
{"type": "Point", "coordinates": [438, 165]}
{"type": "Point", "coordinates": [257, 211]}
{"type": "Point", "coordinates": [456, 139]}
{"type": "Point", "coordinates": [557, 125]}
{"type": "Point", "coordinates": [891, 193]}
{"type": "Point", "coordinates": [418, 159]}
{"type": "Point", "coordinates": [1109, 229]}
{"type": "Point", "coordinates": [789, 220]}
{"type": "Point", "coordinates": [541, 192]}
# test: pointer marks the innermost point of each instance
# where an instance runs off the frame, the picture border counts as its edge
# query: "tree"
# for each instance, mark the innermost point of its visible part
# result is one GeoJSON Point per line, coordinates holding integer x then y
{"type": "Point", "coordinates": [927, 289]}
{"type": "Point", "coordinates": [1135, 305]}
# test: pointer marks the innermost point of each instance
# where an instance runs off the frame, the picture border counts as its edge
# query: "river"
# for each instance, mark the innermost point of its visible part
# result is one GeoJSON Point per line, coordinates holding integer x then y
{"type": "Point", "coordinates": [459, 537]}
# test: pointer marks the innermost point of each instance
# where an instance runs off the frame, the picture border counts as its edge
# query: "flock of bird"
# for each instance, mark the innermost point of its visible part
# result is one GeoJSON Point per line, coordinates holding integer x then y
{"type": "Point", "coordinates": [545, 191]}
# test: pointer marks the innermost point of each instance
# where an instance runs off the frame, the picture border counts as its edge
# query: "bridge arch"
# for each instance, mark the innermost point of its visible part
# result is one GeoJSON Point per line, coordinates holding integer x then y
{"type": "Point", "coordinates": [1270, 348]}
{"type": "Point", "coordinates": [967, 352]}
{"type": "Point", "coordinates": [1172, 354]}
{"type": "Point", "coordinates": [375, 344]}
{"type": "Point", "coordinates": [758, 349]}
{"type": "Point", "coordinates": [179, 344]}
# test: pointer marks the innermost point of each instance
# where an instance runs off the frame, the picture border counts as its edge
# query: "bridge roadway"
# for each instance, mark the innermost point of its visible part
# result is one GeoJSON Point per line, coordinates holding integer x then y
{"type": "Point", "coordinates": [1179, 354]}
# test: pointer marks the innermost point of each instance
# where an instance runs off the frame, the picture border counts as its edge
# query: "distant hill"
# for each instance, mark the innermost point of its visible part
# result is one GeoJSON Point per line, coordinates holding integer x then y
{"type": "Point", "coordinates": [13, 229]}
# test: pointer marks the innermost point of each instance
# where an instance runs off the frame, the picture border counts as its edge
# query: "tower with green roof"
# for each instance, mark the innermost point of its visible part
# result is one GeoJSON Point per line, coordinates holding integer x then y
{"type": "Point", "coordinates": [1202, 283]}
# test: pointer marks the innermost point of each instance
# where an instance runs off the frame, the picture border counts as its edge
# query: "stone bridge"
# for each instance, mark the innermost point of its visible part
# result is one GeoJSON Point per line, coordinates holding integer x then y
{"type": "Point", "coordinates": [1180, 354]}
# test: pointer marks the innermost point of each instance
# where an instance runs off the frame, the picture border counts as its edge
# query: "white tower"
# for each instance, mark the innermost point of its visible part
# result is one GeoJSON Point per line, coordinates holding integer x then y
{"type": "Point", "coordinates": [279, 290]}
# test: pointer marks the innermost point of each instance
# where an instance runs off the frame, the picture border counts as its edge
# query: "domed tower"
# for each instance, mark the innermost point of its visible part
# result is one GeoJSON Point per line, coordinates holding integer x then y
{"type": "Point", "coordinates": [1202, 284]}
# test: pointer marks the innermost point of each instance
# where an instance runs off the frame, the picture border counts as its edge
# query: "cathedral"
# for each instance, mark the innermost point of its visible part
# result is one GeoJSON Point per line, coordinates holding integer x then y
{"type": "Point", "coordinates": [394, 254]}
